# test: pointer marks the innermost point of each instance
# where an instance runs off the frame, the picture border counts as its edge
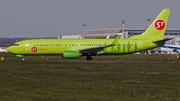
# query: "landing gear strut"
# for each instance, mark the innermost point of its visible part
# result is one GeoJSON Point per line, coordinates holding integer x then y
{"type": "Point", "coordinates": [88, 58]}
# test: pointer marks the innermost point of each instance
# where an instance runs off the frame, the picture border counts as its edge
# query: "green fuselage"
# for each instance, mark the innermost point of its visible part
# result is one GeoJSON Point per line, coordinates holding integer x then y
{"type": "Point", "coordinates": [58, 46]}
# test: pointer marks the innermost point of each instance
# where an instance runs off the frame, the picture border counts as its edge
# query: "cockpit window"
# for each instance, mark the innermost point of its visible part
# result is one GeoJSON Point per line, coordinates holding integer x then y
{"type": "Point", "coordinates": [15, 45]}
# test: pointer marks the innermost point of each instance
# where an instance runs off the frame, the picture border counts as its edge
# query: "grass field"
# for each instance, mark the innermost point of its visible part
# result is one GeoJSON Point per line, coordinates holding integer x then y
{"type": "Point", "coordinates": [105, 78]}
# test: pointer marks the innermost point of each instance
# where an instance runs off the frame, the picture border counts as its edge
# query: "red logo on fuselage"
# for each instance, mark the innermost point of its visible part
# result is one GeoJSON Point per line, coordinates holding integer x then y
{"type": "Point", "coordinates": [159, 24]}
{"type": "Point", "coordinates": [34, 49]}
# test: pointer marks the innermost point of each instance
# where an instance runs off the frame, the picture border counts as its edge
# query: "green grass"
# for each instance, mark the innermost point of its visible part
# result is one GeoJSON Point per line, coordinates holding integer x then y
{"type": "Point", "coordinates": [105, 78]}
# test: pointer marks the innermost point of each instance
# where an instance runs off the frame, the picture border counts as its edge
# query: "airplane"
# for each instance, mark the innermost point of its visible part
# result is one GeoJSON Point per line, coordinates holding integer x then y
{"type": "Point", "coordinates": [75, 48]}
{"type": "Point", "coordinates": [170, 48]}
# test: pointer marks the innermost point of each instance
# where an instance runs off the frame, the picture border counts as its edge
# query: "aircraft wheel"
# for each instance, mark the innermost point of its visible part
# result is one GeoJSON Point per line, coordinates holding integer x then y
{"type": "Point", "coordinates": [88, 58]}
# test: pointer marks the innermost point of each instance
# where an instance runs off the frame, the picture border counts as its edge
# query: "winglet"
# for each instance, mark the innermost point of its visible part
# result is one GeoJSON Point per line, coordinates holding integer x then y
{"type": "Point", "coordinates": [115, 41]}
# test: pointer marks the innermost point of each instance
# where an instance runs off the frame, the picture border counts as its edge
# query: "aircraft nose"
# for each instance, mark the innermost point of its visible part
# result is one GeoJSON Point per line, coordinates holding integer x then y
{"type": "Point", "coordinates": [9, 49]}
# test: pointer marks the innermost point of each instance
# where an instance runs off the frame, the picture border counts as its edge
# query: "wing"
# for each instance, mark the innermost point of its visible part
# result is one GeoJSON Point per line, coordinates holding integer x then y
{"type": "Point", "coordinates": [95, 50]}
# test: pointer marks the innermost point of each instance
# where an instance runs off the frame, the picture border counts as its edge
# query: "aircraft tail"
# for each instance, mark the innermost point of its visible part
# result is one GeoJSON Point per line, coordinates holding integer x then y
{"type": "Point", "coordinates": [157, 28]}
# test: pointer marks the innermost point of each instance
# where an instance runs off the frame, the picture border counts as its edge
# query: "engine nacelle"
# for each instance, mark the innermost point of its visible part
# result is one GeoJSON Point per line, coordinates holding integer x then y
{"type": "Point", "coordinates": [71, 54]}
{"type": "Point", "coordinates": [21, 56]}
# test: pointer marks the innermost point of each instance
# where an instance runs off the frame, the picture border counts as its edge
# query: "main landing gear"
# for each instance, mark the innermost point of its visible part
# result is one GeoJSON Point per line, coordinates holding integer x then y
{"type": "Point", "coordinates": [88, 58]}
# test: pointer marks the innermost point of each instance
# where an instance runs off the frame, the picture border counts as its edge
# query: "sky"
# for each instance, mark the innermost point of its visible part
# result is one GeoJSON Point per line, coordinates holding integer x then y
{"type": "Point", "coordinates": [51, 18]}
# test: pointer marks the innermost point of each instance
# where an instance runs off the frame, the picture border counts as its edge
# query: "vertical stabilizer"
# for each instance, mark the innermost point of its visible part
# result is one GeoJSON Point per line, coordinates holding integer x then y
{"type": "Point", "coordinates": [157, 28]}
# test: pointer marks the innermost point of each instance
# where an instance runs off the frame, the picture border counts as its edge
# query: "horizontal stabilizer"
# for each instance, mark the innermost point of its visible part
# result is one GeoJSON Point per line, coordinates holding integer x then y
{"type": "Point", "coordinates": [163, 40]}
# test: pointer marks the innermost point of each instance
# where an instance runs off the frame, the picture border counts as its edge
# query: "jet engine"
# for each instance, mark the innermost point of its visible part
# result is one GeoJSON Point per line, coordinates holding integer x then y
{"type": "Point", "coordinates": [71, 54]}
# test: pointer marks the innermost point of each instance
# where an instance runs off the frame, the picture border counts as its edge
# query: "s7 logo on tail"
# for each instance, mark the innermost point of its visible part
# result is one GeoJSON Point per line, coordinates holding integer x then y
{"type": "Point", "coordinates": [159, 24]}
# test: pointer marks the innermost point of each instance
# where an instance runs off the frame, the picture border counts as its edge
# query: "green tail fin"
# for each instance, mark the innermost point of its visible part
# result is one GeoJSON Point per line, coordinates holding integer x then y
{"type": "Point", "coordinates": [157, 28]}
